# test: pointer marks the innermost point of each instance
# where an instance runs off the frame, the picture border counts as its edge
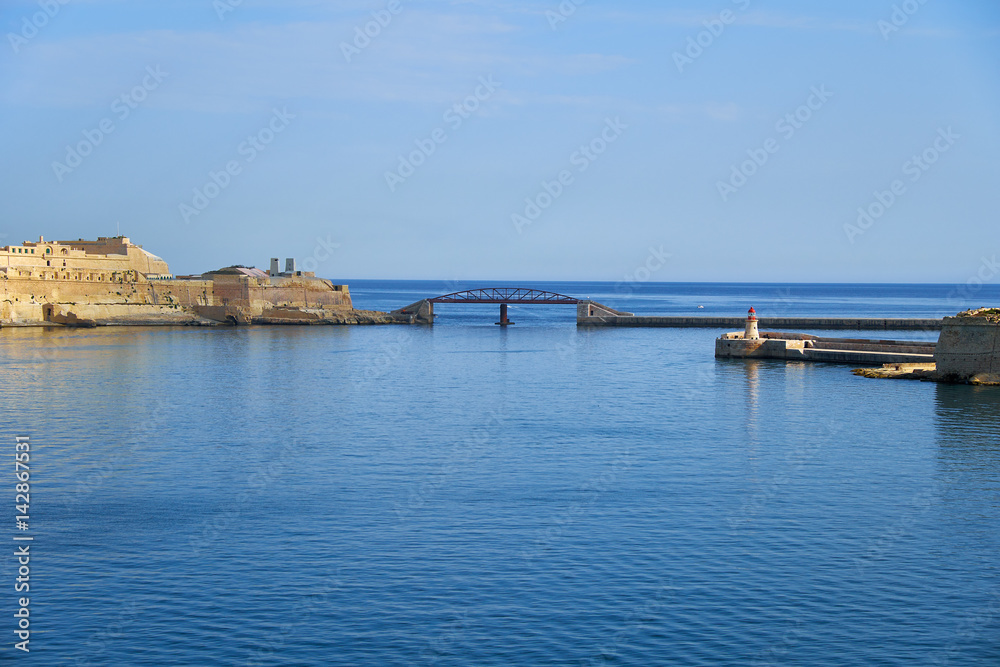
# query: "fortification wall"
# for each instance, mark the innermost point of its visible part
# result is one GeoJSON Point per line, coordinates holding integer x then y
{"type": "Point", "coordinates": [301, 293]}
{"type": "Point", "coordinates": [34, 301]}
{"type": "Point", "coordinates": [120, 313]}
{"type": "Point", "coordinates": [256, 296]}
{"type": "Point", "coordinates": [185, 293]}
{"type": "Point", "coordinates": [969, 349]}
{"type": "Point", "coordinates": [90, 260]}
{"type": "Point", "coordinates": [23, 301]}
{"type": "Point", "coordinates": [231, 289]}
{"type": "Point", "coordinates": [20, 312]}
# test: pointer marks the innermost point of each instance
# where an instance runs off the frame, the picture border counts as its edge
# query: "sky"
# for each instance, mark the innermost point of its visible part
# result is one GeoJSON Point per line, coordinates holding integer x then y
{"type": "Point", "coordinates": [731, 140]}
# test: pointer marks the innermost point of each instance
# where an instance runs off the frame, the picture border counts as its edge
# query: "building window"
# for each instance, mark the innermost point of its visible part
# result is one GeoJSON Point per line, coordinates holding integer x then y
{"type": "Point", "coordinates": [48, 250]}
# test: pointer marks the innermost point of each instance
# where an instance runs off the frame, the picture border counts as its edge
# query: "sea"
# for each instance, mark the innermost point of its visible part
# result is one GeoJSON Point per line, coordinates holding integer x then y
{"type": "Point", "coordinates": [466, 494]}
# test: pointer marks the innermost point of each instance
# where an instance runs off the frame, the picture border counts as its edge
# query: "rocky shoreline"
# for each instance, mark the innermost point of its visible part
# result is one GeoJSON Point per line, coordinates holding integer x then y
{"type": "Point", "coordinates": [189, 319]}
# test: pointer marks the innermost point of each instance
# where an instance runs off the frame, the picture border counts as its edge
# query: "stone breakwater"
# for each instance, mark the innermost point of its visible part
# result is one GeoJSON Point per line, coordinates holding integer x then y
{"type": "Point", "coordinates": [593, 314]}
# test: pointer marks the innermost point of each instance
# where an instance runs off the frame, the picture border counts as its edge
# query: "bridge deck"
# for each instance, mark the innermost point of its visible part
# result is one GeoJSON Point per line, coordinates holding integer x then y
{"type": "Point", "coordinates": [504, 295]}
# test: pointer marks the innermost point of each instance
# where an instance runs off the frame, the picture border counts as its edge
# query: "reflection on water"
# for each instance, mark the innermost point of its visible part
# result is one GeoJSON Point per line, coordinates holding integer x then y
{"type": "Point", "coordinates": [968, 425]}
{"type": "Point", "coordinates": [969, 407]}
{"type": "Point", "coordinates": [752, 369]}
{"type": "Point", "coordinates": [753, 391]}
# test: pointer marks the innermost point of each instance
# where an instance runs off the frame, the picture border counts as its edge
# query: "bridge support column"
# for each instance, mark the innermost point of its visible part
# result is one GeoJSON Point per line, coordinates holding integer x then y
{"type": "Point", "coordinates": [503, 316]}
{"type": "Point", "coordinates": [421, 312]}
{"type": "Point", "coordinates": [591, 312]}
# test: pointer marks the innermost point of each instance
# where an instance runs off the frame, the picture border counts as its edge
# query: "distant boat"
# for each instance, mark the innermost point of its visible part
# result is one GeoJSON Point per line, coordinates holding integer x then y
{"type": "Point", "coordinates": [701, 306]}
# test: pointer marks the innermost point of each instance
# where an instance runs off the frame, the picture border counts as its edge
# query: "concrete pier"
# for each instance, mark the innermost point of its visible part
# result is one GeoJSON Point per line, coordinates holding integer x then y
{"type": "Point", "coordinates": [803, 347]}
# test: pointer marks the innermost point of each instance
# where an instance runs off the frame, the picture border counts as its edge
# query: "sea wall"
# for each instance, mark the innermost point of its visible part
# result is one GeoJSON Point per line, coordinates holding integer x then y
{"type": "Point", "coordinates": [223, 298]}
{"type": "Point", "coordinates": [121, 314]}
{"type": "Point", "coordinates": [280, 292]}
{"type": "Point", "coordinates": [29, 301]}
{"type": "Point", "coordinates": [969, 349]}
{"type": "Point", "coordinates": [733, 346]}
{"type": "Point", "coordinates": [598, 319]}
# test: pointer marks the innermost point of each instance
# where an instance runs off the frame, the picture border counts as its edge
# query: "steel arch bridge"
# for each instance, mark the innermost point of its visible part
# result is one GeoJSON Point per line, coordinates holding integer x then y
{"type": "Point", "coordinates": [503, 295]}
{"type": "Point", "coordinates": [423, 311]}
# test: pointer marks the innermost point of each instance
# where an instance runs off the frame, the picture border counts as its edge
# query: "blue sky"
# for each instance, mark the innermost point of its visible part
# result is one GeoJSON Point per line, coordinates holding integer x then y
{"type": "Point", "coordinates": [738, 137]}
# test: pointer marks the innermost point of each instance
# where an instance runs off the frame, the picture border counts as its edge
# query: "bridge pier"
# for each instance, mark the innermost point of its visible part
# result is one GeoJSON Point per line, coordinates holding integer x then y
{"type": "Point", "coordinates": [421, 312]}
{"type": "Point", "coordinates": [503, 316]}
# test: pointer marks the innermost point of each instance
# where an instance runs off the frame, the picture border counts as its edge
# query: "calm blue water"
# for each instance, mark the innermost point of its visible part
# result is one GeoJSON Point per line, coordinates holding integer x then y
{"type": "Point", "coordinates": [467, 495]}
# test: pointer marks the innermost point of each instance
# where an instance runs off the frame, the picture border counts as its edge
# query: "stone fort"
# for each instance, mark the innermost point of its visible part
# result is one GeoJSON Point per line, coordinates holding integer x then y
{"type": "Point", "coordinates": [114, 281]}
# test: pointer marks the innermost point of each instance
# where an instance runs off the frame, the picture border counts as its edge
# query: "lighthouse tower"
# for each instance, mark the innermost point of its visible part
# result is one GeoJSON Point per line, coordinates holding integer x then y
{"type": "Point", "coordinates": [751, 332]}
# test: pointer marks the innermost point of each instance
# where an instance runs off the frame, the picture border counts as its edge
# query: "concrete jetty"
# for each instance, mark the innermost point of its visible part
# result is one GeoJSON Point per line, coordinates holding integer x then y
{"type": "Point", "coordinates": [593, 314]}
{"type": "Point", "coordinates": [750, 343]}
{"type": "Point", "coordinates": [967, 351]}
{"type": "Point", "coordinates": [803, 347]}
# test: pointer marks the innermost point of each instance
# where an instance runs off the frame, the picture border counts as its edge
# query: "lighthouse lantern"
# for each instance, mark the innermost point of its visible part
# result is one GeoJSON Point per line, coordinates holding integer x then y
{"type": "Point", "coordinates": [751, 332]}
